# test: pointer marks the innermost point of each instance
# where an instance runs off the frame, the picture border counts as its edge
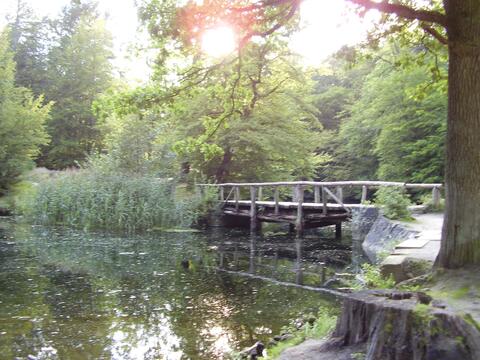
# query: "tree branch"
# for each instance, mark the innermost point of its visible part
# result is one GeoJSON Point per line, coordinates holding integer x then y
{"type": "Point", "coordinates": [404, 11]}
{"type": "Point", "coordinates": [430, 30]}
{"type": "Point", "coordinates": [294, 5]}
{"type": "Point", "coordinates": [260, 5]}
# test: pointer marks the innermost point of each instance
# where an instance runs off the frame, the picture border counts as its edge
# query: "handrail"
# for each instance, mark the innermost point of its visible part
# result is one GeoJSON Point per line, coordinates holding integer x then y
{"type": "Point", "coordinates": [333, 183]}
{"type": "Point", "coordinates": [319, 187]}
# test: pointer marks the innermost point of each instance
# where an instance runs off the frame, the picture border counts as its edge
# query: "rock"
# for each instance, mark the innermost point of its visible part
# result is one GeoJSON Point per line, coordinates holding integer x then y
{"type": "Point", "coordinates": [393, 265]}
{"type": "Point", "coordinates": [286, 337]}
{"type": "Point", "coordinates": [272, 343]}
{"type": "Point", "coordinates": [311, 320]}
{"type": "Point", "coordinates": [362, 221]}
{"type": "Point", "coordinates": [383, 236]}
{"type": "Point", "coordinates": [439, 304]}
{"type": "Point", "coordinates": [414, 267]}
{"type": "Point", "coordinates": [5, 212]}
{"type": "Point", "coordinates": [403, 268]}
{"type": "Point", "coordinates": [254, 351]}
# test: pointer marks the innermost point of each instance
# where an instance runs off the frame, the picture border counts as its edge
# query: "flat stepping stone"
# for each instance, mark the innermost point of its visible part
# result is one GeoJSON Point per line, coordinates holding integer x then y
{"type": "Point", "coordinates": [394, 260]}
{"type": "Point", "coordinates": [412, 244]}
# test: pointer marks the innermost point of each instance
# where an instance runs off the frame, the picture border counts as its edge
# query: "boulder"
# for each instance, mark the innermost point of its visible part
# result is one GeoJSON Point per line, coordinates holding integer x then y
{"type": "Point", "coordinates": [403, 268]}
{"type": "Point", "coordinates": [383, 236]}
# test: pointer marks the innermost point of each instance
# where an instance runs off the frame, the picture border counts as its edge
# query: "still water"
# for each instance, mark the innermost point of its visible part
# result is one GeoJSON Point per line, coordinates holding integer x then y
{"type": "Point", "coordinates": [67, 294]}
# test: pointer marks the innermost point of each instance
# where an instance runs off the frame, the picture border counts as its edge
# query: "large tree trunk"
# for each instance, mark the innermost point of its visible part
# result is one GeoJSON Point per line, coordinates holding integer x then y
{"type": "Point", "coordinates": [461, 230]}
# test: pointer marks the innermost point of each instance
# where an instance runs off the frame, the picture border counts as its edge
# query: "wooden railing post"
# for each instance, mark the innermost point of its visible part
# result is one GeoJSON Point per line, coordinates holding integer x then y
{"type": "Point", "coordinates": [364, 194]}
{"type": "Point", "coordinates": [299, 223]}
{"type": "Point", "coordinates": [237, 198]}
{"type": "Point", "coordinates": [340, 193]}
{"type": "Point", "coordinates": [338, 231]}
{"type": "Point", "coordinates": [253, 208]}
{"type": "Point", "coordinates": [436, 197]}
{"type": "Point", "coordinates": [316, 193]}
{"type": "Point", "coordinates": [294, 194]}
{"type": "Point", "coordinates": [324, 200]}
{"type": "Point", "coordinates": [276, 198]}
{"type": "Point", "coordinates": [222, 194]}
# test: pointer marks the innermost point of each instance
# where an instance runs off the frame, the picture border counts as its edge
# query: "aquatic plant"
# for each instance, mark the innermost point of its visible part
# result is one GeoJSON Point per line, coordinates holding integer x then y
{"type": "Point", "coordinates": [89, 200]}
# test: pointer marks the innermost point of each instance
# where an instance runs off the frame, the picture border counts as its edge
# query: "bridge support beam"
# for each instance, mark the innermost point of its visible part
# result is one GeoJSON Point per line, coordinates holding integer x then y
{"type": "Point", "coordinates": [316, 193]}
{"type": "Point", "coordinates": [299, 223]}
{"type": "Point", "coordinates": [276, 198]}
{"type": "Point", "coordinates": [364, 194]}
{"type": "Point", "coordinates": [237, 198]}
{"type": "Point", "coordinates": [436, 197]}
{"type": "Point", "coordinates": [222, 194]}
{"type": "Point", "coordinates": [253, 209]}
{"type": "Point", "coordinates": [338, 231]}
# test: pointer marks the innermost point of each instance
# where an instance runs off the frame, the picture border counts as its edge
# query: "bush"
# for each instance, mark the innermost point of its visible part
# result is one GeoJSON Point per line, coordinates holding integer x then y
{"type": "Point", "coordinates": [373, 277]}
{"type": "Point", "coordinates": [87, 200]}
{"type": "Point", "coordinates": [427, 200]}
{"type": "Point", "coordinates": [394, 202]}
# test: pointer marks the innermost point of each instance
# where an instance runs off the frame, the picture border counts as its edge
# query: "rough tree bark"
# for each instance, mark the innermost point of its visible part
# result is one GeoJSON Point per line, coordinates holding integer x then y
{"type": "Point", "coordinates": [461, 231]}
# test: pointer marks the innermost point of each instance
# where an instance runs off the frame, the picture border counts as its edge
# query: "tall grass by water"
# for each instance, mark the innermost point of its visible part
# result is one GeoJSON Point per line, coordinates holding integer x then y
{"type": "Point", "coordinates": [88, 200]}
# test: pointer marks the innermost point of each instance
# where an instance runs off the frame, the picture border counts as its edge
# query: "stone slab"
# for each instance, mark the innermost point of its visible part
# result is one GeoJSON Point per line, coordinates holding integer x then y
{"type": "Point", "coordinates": [394, 260]}
{"type": "Point", "coordinates": [412, 244]}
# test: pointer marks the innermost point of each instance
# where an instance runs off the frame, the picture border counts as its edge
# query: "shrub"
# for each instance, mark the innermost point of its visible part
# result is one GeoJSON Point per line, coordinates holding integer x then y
{"type": "Point", "coordinates": [394, 202]}
{"type": "Point", "coordinates": [88, 200]}
{"type": "Point", "coordinates": [427, 200]}
{"type": "Point", "coordinates": [374, 279]}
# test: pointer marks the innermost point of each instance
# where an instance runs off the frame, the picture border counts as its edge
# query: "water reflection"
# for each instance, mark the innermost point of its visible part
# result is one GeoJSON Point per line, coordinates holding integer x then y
{"type": "Point", "coordinates": [302, 261]}
{"type": "Point", "coordinates": [71, 295]}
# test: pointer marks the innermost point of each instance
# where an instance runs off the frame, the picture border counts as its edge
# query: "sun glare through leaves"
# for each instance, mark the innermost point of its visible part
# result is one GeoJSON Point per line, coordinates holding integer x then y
{"type": "Point", "coordinates": [219, 41]}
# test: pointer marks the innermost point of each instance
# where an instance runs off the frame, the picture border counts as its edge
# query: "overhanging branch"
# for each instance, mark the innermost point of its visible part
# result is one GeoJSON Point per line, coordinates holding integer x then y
{"type": "Point", "coordinates": [404, 11]}
{"type": "Point", "coordinates": [430, 30]}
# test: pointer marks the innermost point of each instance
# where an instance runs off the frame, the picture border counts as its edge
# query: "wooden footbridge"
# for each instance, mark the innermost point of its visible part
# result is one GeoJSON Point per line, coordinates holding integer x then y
{"type": "Point", "coordinates": [302, 204]}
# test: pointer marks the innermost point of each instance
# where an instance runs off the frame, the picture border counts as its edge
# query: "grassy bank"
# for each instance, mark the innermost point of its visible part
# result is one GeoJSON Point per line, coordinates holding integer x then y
{"type": "Point", "coordinates": [88, 200]}
{"type": "Point", "coordinates": [322, 326]}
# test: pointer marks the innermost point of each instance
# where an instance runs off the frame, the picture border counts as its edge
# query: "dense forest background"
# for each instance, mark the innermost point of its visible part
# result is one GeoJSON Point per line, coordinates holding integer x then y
{"type": "Point", "coordinates": [374, 111]}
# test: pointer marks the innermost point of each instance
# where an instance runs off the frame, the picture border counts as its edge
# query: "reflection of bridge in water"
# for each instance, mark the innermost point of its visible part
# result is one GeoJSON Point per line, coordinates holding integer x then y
{"type": "Point", "coordinates": [301, 204]}
{"type": "Point", "coordinates": [286, 260]}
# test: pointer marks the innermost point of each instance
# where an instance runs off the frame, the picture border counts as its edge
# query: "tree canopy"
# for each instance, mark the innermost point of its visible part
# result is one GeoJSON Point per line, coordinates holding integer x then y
{"type": "Point", "coordinates": [22, 121]}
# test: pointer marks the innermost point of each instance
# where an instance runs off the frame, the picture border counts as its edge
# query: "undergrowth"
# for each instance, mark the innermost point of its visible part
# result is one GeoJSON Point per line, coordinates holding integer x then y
{"type": "Point", "coordinates": [321, 327]}
{"type": "Point", "coordinates": [371, 277]}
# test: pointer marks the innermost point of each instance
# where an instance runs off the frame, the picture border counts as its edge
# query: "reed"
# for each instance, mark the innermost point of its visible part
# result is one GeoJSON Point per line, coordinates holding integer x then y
{"type": "Point", "coordinates": [88, 200]}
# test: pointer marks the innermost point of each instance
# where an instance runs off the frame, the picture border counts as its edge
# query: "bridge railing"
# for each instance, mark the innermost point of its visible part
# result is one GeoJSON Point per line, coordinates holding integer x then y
{"type": "Point", "coordinates": [321, 190]}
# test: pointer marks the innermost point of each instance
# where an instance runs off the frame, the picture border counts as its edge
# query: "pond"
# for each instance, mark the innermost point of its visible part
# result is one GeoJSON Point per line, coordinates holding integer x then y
{"type": "Point", "coordinates": [67, 294]}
